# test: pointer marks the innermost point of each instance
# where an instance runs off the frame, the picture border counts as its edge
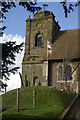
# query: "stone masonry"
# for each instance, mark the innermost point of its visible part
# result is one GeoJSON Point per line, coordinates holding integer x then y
{"type": "Point", "coordinates": [34, 67]}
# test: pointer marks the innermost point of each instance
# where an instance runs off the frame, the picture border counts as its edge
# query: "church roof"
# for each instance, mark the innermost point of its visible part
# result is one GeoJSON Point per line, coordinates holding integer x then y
{"type": "Point", "coordinates": [66, 45]}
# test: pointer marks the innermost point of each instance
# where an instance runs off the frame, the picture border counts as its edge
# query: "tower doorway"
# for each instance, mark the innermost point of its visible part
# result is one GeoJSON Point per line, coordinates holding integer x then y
{"type": "Point", "coordinates": [36, 81]}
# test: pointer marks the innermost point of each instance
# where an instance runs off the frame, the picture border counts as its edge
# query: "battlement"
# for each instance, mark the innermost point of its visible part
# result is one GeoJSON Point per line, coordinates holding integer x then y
{"type": "Point", "coordinates": [42, 14]}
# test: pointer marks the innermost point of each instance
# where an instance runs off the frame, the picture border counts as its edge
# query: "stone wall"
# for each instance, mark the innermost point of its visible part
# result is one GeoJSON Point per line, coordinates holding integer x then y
{"type": "Point", "coordinates": [32, 71]}
{"type": "Point", "coordinates": [54, 75]}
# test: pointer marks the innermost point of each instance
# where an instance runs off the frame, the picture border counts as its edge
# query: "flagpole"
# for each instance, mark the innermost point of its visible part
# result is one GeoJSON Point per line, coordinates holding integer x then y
{"type": "Point", "coordinates": [49, 50]}
{"type": "Point", "coordinates": [47, 63]}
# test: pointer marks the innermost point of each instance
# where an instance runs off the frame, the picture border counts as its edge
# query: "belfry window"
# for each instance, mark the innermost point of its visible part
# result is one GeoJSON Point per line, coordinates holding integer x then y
{"type": "Point", "coordinates": [38, 40]}
{"type": "Point", "coordinates": [60, 72]}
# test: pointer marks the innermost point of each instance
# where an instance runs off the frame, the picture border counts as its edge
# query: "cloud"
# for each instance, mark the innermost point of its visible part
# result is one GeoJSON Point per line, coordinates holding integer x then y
{"type": "Point", "coordinates": [6, 38]}
{"type": "Point", "coordinates": [14, 81]}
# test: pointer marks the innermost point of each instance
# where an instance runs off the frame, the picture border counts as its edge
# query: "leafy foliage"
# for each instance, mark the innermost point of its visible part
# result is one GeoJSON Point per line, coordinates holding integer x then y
{"type": "Point", "coordinates": [30, 6]}
{"type": "Point", "coordinates": [10, 49]}
{"type": "Point", "coordinates": [6, 6]}
{"type": "Point", "coordinates": [68, 8]}
{"type": "Point", "coordinates": [8, 57]}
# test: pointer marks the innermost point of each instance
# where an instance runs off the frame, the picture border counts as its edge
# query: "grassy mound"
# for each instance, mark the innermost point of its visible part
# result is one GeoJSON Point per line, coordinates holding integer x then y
{"type": "Point", "coordinates": [50, 102]}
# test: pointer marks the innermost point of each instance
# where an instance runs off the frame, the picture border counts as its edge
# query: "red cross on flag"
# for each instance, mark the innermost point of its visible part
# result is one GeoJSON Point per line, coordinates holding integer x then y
{"type": "Point", "coordinates": [49, 48]}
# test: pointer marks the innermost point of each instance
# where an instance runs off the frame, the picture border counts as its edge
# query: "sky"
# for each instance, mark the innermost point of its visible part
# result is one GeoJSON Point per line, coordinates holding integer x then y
{"type": "Point", "coordinates": [16, 28]}
{"type": "Point", "coordinates": [16, 18]}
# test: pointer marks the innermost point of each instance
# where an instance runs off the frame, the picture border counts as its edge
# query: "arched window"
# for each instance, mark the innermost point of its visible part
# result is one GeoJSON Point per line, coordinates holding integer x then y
{"type": "Point", "coordinates": [60, 72]}
{"type": "Point", "coordinates": [69, 72]}
{"type": "Point", "coordinates": [38, 40]}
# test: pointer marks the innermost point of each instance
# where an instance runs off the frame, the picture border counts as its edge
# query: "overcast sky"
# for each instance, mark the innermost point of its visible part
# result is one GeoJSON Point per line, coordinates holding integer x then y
{"type": "Point", "coordinates": [16, 26]}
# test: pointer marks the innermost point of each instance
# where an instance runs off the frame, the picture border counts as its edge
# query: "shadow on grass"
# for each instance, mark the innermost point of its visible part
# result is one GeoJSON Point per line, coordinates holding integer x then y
{"type": "Point", "coordinates": [24, 117]}
{"type": "Point", "coordinates": [20, 116]}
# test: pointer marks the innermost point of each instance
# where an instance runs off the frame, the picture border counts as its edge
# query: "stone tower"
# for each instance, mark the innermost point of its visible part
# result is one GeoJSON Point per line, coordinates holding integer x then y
{"type": "Point", "coordinates": [39, 30]}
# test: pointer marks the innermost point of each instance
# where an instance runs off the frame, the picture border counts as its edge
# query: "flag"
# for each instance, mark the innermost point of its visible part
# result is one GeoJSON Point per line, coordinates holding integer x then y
{"type": "Point", "coordinates": [49, 48]}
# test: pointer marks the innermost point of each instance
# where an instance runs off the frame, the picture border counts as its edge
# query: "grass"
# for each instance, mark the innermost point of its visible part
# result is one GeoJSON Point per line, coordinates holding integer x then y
{"type": "Point", "coordinates": [50, 102]}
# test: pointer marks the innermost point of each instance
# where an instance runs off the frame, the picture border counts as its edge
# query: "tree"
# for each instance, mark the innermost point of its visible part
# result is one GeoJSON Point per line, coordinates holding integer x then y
{"type": "Point", "coordinates": [9, 56]}
{"type": "Point", "coordinates": [10, 49]}
{"type": "Point", "coordinates": [68, 7]}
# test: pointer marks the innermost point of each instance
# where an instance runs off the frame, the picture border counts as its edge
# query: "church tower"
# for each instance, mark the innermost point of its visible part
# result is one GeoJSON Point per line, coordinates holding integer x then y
{"type": "Point", "coordinates": [39, 30]}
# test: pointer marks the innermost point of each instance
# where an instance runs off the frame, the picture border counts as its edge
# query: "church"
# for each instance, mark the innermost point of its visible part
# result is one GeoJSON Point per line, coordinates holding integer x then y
{"type": "Point", "coordinates": [61, 68]}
